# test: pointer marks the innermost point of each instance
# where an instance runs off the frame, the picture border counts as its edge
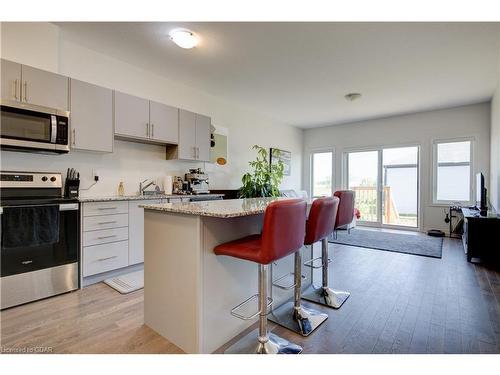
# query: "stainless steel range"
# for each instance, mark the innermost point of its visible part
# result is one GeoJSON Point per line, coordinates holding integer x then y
{"type": "Point", "coordinates": [39, 238]}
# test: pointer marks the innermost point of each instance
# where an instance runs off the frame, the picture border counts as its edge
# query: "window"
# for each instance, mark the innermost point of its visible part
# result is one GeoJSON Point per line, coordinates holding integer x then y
{"type": "Point", "coordinates": [322, 164]}
{"type": "Point", "coordinates": [452, 171]}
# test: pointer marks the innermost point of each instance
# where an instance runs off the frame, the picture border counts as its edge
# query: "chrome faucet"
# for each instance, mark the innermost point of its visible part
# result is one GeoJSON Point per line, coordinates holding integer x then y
{"type": "Point", "coordinates": [143, 187]}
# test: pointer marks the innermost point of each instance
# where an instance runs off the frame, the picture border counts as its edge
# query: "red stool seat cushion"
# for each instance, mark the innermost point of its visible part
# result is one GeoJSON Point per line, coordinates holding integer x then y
{"type": "Point", "coordinates": [247, 248]}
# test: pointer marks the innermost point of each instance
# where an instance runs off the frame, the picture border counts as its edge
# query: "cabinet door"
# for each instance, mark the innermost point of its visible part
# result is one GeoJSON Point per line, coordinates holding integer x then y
{"type": "Point", "coordinates": [164, 122]}
{"type": "Point", "coordinates": [203, 137]}
{"type": "Point", "coordinates": [44, 88]}
{"type": "Point", "coordinates": [131, 116]}
{"type": "Point", "coordinates": [136, 230]}
{"type": "Point", "coordinates": [11, 80]}
{"type": "Point", "coordinates": [91, 117]}
{"type": "Point", "coordinates": [187, 135]}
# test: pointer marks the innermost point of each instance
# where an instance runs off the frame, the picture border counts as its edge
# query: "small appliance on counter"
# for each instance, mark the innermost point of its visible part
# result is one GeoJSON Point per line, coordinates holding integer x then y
{"type": "Point", "coordinates": [39, 254]}
{"type": "Point", "coordinates": [72, 184]}
{"type": "Point", "coordinates": [197, 181]}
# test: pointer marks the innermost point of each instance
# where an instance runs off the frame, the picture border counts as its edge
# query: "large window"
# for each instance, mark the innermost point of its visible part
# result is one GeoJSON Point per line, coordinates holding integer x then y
{"type": "Point", "coordinates": [322, 164]}
{"type": "Point", "coordinates": [452, 171]}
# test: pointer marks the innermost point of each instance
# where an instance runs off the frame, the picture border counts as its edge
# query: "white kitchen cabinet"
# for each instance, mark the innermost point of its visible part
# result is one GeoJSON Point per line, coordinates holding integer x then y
{"type": "Point", "coordinates": [187, 135]}
{"type": "Point", "coordinates": [203, 137]}
{"type": "Point", "coordinates": [136, 230]}
{"type": "Point", "coordinates": [10, 80]}
{"type": "Point", "coordinates": [131, 116]}
{"type": "Point", "coordinates": [91, 114]}
{"type": "Point", "coordinates": [28, 85]}
{"type": "Point", "coordinates": [194, 137]}
{"type": "Point", "coordinates": [43, 88]}
{"type": "Point", "coordinates": [164, 121]}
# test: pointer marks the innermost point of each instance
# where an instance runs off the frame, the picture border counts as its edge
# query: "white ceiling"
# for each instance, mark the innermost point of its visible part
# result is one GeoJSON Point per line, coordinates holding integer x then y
{"type": "Point", "coordinates": [298, 73]}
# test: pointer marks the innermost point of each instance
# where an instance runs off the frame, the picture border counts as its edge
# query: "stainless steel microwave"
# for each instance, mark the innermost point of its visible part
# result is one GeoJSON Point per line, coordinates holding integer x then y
{"type": "Point", "coordinates": [34, 129]}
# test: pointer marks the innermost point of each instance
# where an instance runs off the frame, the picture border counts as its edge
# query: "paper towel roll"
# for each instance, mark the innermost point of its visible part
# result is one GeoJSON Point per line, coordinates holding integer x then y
{"type": "Point", "coordinates": [167, 184]}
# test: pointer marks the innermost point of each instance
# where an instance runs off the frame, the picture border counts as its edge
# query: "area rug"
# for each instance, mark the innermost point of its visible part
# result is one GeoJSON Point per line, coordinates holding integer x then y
{"type": "Point", "coordinates": [127, 283]}
{"type": "Point", "coordinates": [391, 241]}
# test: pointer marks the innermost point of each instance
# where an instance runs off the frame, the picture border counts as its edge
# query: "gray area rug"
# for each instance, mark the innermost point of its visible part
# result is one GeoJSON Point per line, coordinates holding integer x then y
{"type": "Point", "coordinates": [389, 241]}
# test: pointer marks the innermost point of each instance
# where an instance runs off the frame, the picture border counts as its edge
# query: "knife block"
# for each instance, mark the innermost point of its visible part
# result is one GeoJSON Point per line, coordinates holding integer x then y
{"type": "Point", "coordinates": [71, 188]}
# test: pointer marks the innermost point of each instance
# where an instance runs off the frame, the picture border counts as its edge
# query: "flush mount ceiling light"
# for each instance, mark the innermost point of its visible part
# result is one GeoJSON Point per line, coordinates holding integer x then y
{"type": "Point", "coordinates": [184, 38]}
{"type": "Point", "coordinates": [352, 96]}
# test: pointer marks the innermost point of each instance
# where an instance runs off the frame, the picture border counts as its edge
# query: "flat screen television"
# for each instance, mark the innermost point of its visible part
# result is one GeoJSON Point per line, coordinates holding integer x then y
{"type": "Point", "coordinates": [481, 201]}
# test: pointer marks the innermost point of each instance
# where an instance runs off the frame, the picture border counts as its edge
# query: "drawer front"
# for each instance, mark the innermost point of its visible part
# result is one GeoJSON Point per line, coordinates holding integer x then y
{"type": "Point", "coordinates": [105, 208]}
{"type": "Point", "coordinates": [103, 258]}
{"type": "Point", "coordinates": [98, 237]}
{"type": "Point", "coordinates": [105, 222]}
{"type": "Point", "coordinates": [178, 200]}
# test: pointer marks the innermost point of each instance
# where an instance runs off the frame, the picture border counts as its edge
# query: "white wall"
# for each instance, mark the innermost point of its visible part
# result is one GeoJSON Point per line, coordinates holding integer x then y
{"type": "Point", "coordinates": [494, 191]}
{"type": "Point", "coordinates": [132, 162]}
{"type": "Point", "coordinates": [414, 129]}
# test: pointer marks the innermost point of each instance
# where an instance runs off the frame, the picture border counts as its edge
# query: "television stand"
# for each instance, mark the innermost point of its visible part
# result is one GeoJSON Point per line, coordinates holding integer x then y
{"type": "Point", "coordinates": [480, 234]}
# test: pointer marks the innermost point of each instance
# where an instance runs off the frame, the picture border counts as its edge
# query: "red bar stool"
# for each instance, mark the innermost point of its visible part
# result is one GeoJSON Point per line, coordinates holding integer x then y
{"type": "Point", "coordinates": [293, 315]}
{"type": "Point", "coordinates": [345, 213]}
{"type": "Point", "coordinates": [320, 231]}
{"type": "Point", "coordinates": [282, 234]}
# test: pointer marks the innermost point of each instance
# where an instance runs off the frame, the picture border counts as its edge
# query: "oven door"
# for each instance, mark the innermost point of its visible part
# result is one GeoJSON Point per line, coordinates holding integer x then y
{"type": "Point", "coordinates": [28, 129]}
{"type": "Point", "coordinates": [38, 237]}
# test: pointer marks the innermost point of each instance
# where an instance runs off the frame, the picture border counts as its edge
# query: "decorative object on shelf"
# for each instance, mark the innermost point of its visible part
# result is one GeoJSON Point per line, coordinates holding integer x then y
{"type": "Point", "coordinates": [285, 157]}
{"type": "Point", "coordinates": [265, 179]}
{"type": "Point", "coordinates": [218, 145]}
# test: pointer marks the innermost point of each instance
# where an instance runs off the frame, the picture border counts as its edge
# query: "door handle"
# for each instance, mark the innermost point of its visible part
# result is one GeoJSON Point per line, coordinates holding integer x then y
{"type": "Point", "coordinates": [25, 91]}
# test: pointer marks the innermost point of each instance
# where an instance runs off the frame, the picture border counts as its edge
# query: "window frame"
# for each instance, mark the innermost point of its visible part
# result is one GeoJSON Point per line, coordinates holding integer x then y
{"type": "Point", "coordinates": [472, 169]}
{"type": "Point", "coordinates": [311, 168]}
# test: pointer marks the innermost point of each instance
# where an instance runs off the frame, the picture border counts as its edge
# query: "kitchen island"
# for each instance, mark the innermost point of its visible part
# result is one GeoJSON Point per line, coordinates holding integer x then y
{"type": "Point", "coordinates": [188, 290]}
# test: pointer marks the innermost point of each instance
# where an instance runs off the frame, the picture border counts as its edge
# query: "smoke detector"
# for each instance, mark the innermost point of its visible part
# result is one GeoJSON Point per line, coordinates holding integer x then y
{"type": "Point", "coordinates": [352, 96]}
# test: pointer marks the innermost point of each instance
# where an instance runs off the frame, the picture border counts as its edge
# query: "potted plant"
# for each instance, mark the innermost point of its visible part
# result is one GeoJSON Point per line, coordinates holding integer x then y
{"type": "Point", "coordinates": [265, 179]}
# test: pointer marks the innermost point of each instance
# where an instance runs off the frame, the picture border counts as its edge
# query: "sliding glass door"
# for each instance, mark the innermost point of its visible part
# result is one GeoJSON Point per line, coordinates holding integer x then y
{"type": "Point", "coordinates": [386, 184]}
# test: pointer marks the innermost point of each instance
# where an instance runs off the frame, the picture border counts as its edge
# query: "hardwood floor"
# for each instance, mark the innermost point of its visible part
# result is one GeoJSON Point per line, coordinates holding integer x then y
{"type": "Point", "coordinates": [399, 304]}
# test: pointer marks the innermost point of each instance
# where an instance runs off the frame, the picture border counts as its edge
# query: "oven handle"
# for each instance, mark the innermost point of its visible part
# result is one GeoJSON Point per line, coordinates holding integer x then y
{"type": "Point", "coordinates": [53, 133]}
{"type": "Point", "coordinates": [68, 207]}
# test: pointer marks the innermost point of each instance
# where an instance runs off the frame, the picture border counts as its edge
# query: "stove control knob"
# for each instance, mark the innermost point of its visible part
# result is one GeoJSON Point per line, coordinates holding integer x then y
{"type": "Point", "coordinates": [44, 178]}
{"type": "Point", "coordinates": [53, 179]}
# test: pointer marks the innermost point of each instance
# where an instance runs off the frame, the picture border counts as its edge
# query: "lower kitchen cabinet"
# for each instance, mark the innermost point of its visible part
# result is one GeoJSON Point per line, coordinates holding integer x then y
{"type": "Point", "coordinates": [136, 230]}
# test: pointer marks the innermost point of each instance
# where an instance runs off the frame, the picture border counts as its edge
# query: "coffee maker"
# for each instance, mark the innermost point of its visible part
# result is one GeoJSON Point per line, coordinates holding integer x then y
{"type": "Point", "coordinates": [197, 181]}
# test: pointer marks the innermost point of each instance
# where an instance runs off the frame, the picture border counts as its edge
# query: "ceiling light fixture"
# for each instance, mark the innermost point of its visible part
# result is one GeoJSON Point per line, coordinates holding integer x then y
{"type": "Point", "coordinates": [184, 38]}
{"type": "Point", "coordinates": [352, 96]}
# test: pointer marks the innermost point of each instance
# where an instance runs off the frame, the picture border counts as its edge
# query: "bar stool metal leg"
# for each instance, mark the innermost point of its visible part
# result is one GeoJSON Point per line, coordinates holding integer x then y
{"type": "Point", "coordinates": [325, 295]}
{"type": "Point", "coordinates": [261, 341]}
{"type": "Point", "coordinates": [292, 314]}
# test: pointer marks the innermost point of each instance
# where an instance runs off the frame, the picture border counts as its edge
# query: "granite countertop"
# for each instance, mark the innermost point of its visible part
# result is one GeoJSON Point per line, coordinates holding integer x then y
{"type": "Point", "coordinates": [142, 197]}
{"type": "Point", "coordinates": [222, 208]}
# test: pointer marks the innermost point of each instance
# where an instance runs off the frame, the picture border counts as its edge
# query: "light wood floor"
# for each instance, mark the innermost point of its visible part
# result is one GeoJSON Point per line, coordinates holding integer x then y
{"type": "Point", "coordinates": [399, 304]}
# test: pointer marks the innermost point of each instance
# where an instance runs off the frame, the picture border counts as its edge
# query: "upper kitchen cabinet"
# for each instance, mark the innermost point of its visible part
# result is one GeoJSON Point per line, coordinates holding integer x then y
{"type": "Point", "coordinates": [131, 116]}
{"type": "Point", "coordinates": [164, 121]}
{"type": "Point", "coordinates": [145, 121]}
{"type": "Point", "coordinates": [91, 111]}
{"type": "Point", "coordinates": [194, 137]}
{"type": "Point", "coordinates": [11, 80]}
{"type": "Point", "coordinates": [28, 85]}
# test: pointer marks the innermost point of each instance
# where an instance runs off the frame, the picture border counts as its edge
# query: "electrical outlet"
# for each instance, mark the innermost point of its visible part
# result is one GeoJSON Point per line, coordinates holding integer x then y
{"type": "Point", "coordinates": [95, 175]}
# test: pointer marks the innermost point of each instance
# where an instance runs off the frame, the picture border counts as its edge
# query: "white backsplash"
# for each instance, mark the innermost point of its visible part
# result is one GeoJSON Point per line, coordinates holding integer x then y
{"type": "Point", "coordinates": [130, 162]}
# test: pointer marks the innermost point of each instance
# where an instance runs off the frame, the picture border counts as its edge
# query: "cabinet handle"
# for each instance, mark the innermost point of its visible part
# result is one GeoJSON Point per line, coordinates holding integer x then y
{"type": "Point", "coordinates": [152, 130]}
{"type": "Point", "coordinates": [25, 91]}
{"type": "Point", "coordinates": [106, 208]}
{"type": "Point", "coordinates": [107, 222]}
{"type": "Point", "coordinates": [147, 129]}
{"type": "Point", "coordinates": [74, 137]}
{"type": "Point", "coordinates": [15, 89]}
{"type": "Point", "coordinates": [102, 259]}
{"type": "Point", "coordinates": [197, 152]}
{"type": "Point", "coordinates": [103, 237]}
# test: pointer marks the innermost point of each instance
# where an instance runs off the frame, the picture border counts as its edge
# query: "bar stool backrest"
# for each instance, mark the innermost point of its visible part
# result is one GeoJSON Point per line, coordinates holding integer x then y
{"type": "Point", "coordinates": [321, 221]}
{"type": "Point", "coordinates": [283, 230]}
{"type": "Point", "coordinates": [345, 211]}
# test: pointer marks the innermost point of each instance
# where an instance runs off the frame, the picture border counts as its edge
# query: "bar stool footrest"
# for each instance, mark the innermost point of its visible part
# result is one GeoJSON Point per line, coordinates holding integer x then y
{"type": "Point", "coordinates": [310, 263]}
{"type": "Point", "coordinates": [277, 284]}
{"type": "Point", "coordinates": [235, 310]}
